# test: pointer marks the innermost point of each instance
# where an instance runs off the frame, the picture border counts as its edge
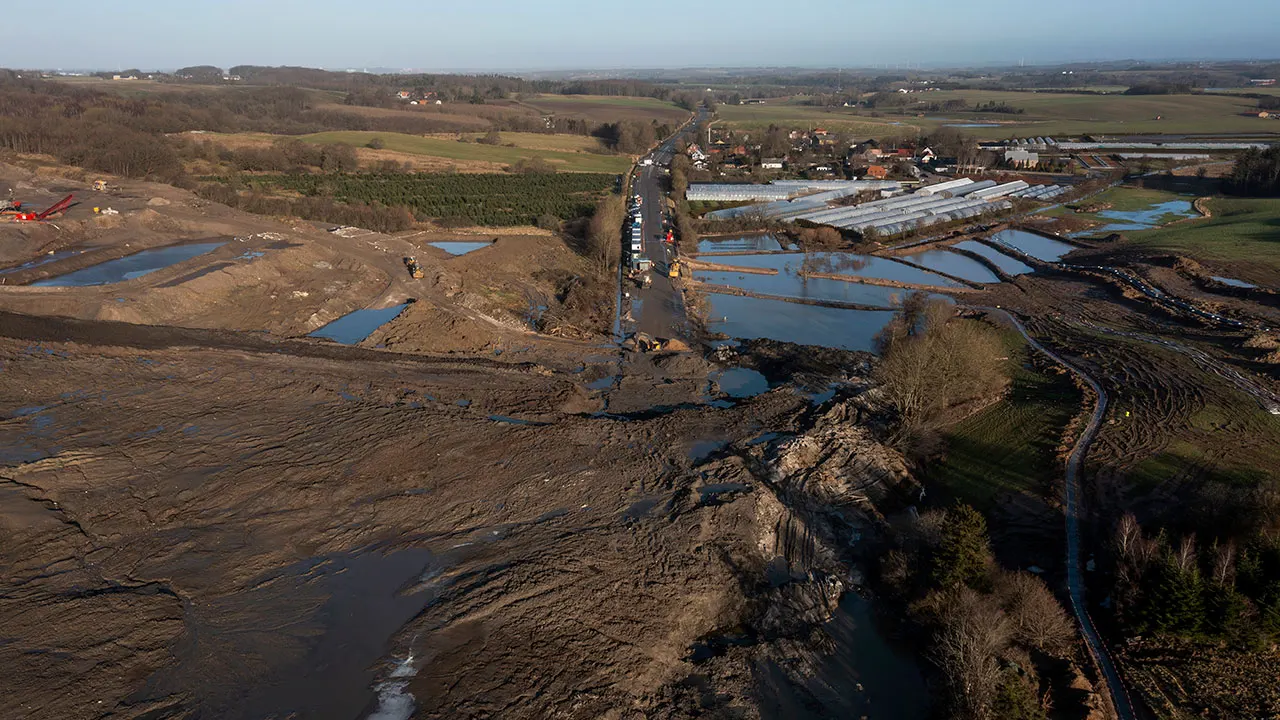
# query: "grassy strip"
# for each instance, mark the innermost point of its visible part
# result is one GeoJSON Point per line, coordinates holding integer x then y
{"type": "Point", "coordinates": [1241, 229]}
{"type": "Point", "coordinates": [1011, 446]}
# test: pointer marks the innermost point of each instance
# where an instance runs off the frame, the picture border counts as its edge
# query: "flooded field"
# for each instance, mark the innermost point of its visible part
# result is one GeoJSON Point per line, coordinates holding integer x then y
{"type": "Point", "coordinates": [953, 264]}
{"type": "Point", "coordinates": [866, 266]}
{"type": "Point", "coordinates": [1154, 216]}
{"type": "Point", "coordinates": [788, 284]}
{"type": "Point", "coordinates": [748, 243]}
{"type": "Point", "coordinates": [1007, 263]}
{"type": "Point", "coordinates": [751, 318]}
{"type": "Point", "coordinates": [356, 326]}
{"type": "Point", "coordinates": [129, 267]}
{"type": "Point", "coordinates": [459, 247]}
{"type": "Point", "coordinates": [1037, 246]}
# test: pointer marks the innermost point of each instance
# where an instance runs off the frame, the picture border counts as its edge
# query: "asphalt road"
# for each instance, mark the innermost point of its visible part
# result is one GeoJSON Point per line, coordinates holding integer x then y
{"type": "Point", "coordinates": [1075, 577]}
{"type": "Point", "coordinates": [661, 311]}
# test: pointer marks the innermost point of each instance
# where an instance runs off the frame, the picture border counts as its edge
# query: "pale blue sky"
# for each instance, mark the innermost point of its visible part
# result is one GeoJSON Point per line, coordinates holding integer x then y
{"type": "Point", "coordinates": [551, 34]}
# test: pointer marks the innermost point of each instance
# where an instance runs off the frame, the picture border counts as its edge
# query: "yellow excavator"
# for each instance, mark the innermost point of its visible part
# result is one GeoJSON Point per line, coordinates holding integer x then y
{"type": "Point", "coordinates": [415, 270]}
{"type": "Point", "coordinates": [673, 269]}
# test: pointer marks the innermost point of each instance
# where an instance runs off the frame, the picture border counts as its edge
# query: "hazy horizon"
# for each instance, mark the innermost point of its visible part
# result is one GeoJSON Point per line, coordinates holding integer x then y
{"type": "Point", "coordinates": [509, 36]}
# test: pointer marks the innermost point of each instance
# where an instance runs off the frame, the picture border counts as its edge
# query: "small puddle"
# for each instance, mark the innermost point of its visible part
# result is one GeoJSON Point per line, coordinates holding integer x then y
{"type": "Point", "coordinates": [740, 382]}
{"type": "Point", "coordinates": [356, 326]}
{"type": "Point", "coordinates": [640, 508]}
{"type": "Point", "coordinates": [751, 318]}
{"type": "Point", "coordinates": [704, 449]}
{"type": "Point", "coordinates": [955, 264]}
{"type": "Point", "coordinates": [971, 125]}
{"type": "Point", "coordinates": [1233, 282]}
{"type": "Point", "coordinates": [459, 247]}
{"type": "Point", "coordinates": [1037, 246]}
{"type": "Point", "coordinates": [129, 267]}
{"type": "Point", "coordinates": [711, 494]}
{"type": "Point", "coordinates": [748, 243]}
{"type": "Point", "coordinates": [1007, 263]}
{"type": "Point", "coordinates": [603, 383]}
{"type": "Point", "coordinates": [765, 438]}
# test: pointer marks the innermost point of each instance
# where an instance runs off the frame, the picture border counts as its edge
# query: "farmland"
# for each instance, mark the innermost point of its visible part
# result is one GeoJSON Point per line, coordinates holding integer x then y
{"type": "Point", "coordinates": [1045, 114]}
{"type": "Point", "coordinates": [498, 200]}
{"type": "Point", "coordinates": [601, 108]}
{"type": "Point", "coordinates": [566, 153]}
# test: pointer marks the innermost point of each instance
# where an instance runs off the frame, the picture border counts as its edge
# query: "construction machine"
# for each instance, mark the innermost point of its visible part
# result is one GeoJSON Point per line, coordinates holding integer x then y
{"type": "Point", "coordinates": [673, 269]}
{"type": "Point", "coordinates": [415, 270]}
{"type": "Point", "coordinates": [55, 210]}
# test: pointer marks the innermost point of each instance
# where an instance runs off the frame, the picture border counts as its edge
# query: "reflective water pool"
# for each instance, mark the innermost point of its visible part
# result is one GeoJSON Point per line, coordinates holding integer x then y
{"type": "Point", "coordinates": [754, 243]}
{"type": "Point", "coordinates": [867, 266]}
{"type": "Point", "coordinates": [1007, 263]}
{"type": "Point", "coordinates": [953, 264]}
{"type": "Point", "coordinates": [1037, 246]}
{"type": "Point", "coordinates": [129, 267]}
{"type": "Point", "coordinates": [459, 247]}
{"type": "Point", "coordinates": [356, 326]}
{"type": "Point", "coordinates": [752, 318]}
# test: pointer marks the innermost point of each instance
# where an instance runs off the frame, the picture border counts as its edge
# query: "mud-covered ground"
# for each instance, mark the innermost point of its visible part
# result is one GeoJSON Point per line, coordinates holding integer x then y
{"type": "Point", "coordinates": [203, 526]}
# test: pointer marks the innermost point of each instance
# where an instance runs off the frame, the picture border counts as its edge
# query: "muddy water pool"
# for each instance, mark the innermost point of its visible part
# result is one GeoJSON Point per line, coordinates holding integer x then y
{"type": "Point", "coordinates": [130, 266]}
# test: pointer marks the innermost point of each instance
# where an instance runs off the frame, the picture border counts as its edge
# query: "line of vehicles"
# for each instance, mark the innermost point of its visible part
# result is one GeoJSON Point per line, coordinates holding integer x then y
{"type": "Point", "coordinates": [641, 265]}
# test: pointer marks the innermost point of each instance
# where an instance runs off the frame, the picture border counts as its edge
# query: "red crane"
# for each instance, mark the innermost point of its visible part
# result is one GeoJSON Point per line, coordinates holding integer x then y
{"type": "Point", "coordinates": [56, 209]}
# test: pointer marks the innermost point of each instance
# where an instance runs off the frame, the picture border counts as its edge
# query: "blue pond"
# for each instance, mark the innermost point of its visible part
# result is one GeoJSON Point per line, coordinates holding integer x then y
{"type": "Point", "coordinates": [1037, 246]}
{"type": "Point", "coordinates": [752, 318]}
{"type": "Point", "coordinates": [130, 267]}
{"type": "Point", "coordinates": [953, 264]}
{"type": "Point", "coordinates": [1009, 264]}
{"type": "Point", "coordinates": [354, 327]}
{"type": "Point", "coordinates": [753, 243]}
{"type": "Point", "coordinates": [459, 247]}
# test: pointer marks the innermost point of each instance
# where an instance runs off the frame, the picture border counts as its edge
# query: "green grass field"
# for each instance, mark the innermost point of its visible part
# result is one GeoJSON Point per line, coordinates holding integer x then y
{"type": "Point", "coordinates": [1060, 114]}
{"type": "Point", "coordinates": [452, 149]}
{"type": "Point", "coordinates": [1242, 231]}
{"type": "Point", "coordinates": [1009, 447]}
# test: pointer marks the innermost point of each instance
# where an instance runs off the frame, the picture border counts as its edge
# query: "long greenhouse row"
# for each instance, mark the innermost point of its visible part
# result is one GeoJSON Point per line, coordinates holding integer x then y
{"type": "Point", "coordinates": [896, 215]}
{"type": "Point", "coordinates": [1039, 192]}
{"type": "Point", "coordinates": [780, 190]}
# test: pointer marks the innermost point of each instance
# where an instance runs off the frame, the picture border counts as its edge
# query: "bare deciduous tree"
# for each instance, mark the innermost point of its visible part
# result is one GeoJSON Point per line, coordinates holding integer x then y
{"type": "Point", "coordinates": [973, 632]}
{"type": "Point", "coordinates": [1038, 619]}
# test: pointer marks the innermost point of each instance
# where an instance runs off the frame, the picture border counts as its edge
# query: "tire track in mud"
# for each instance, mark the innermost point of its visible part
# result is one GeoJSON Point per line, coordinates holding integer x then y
{"type": "Point", "coordinates": [1116, 689]}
